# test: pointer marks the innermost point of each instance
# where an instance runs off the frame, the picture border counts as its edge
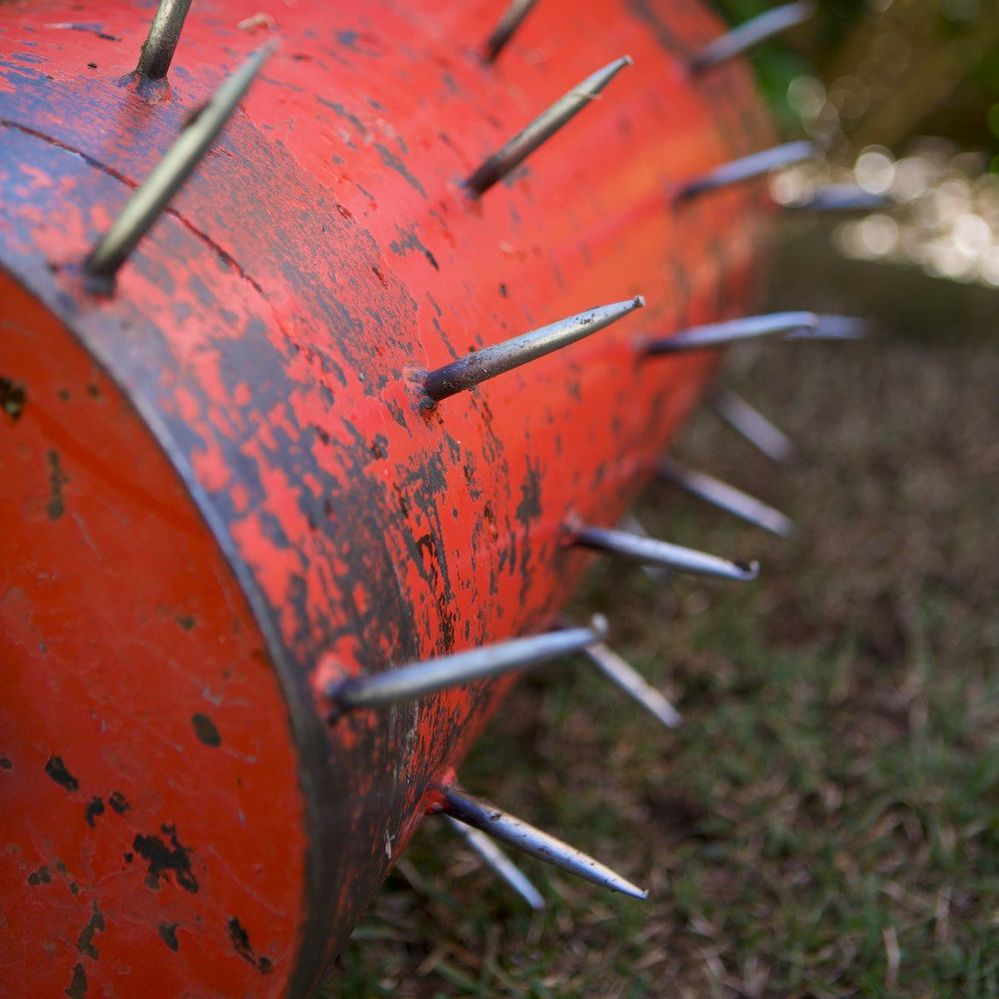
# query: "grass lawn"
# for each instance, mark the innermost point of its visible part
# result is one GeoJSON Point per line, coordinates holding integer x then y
{"type": "Point", "coordinates": [826, 821]}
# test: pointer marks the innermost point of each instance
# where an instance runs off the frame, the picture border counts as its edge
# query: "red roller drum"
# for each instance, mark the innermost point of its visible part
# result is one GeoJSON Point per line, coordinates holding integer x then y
{"type": "Point", "coordinates": [221, 486]}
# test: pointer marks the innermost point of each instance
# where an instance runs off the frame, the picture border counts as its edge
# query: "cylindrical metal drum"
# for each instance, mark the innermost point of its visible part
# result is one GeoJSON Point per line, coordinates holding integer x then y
{"type": "Point", "coordinates": [221, 485]}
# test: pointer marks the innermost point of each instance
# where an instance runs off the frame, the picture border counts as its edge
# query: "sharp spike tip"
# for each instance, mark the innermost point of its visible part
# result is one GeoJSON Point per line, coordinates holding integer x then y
{"type": "Point", "coordinates": [650, 551]}
{"type": "Point", "coordinates": [833, 328]}
{"type": "Point", "coordinates": [155, 193]}
{"type": "Point", "coordinates": [518, 834]}
{"type": "Point", "coordinates": [725, 497]}
{"type": "Point", "coordinates": [161, 42]}
{"type": "Point", "coordinates": [840, 198]}
{"type": "Point", "coordinates": [525, 142]}
{"type": "Point", "coordinates": [754, 426]}
{"type": "Point", "coordinates": [499, 863]}
{"type": "Point", "coordinates": [414, 680]}
{"type": "Point", "coordinates": [623, 675]}
{"type": "Point", "coordinates": [732, 331]}
{"type": "Point", "coordinates": [751, 33]}
{"type": "Point", "coordinates": [747, 168]}
{"type": "Point", "coordinates": [481, 365]}
{"type": "Point", "coordinates": [787, 325]}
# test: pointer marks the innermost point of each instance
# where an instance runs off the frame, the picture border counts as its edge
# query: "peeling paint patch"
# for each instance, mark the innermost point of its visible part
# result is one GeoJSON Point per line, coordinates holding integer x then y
{"type": "Point", "coordinates": [118, 802]}
{"type": "Point", "coordinates": [205, 730]}
{"type": "Point", "coordinates": [163, 859]}
{"type": "Point", "coordinates": [56, 769]}
{"type": "Point", "coordinates": [168, 934]}
{"type": "Point", "coordinates": [40, 877]}
{"type": "Point", "coordinates": [394, 163]}
{"type": "Point", "coordinates": [85, 942]}
{"type": "Point", "coordinates": [57, 479]}
{"type": "Point", "coordinates": [94, 808]}
{"type": "Point", "coordinates": [12, 399]}
{"type": "Point", "coordinates": [241, 941]}
{"type": "Point", "coordinates": [78, 986]}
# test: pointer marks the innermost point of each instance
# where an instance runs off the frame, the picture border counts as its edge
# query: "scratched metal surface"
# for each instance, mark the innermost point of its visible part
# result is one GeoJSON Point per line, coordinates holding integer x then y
{"type": "Point", "coordinates": [268, 336]}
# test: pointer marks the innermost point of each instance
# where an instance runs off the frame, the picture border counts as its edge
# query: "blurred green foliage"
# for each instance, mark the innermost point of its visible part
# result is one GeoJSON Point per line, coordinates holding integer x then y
{"type": "Point", "coordinates": [947, 85]}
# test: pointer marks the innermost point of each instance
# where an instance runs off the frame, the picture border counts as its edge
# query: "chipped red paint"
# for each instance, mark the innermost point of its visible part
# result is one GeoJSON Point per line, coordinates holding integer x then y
{"type": "Point", "coordinates": [253, 501]}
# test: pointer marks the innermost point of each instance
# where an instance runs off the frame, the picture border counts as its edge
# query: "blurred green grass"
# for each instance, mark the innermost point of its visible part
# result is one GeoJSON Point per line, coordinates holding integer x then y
{"type": "Point", "coordinates": [826, 821]}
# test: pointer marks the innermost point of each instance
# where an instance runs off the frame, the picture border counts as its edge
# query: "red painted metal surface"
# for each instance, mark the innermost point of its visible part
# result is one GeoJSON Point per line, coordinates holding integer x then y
{"type": "Point", "coordinates": [218, 487]}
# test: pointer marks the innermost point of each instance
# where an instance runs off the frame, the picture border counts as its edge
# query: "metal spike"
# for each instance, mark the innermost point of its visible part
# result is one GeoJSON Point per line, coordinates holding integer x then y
{"type": "Point", "coordinates": [507, 829]}
{"type": "Point", "coordinates": [625, 676]}
{"type": "Point", "coordinates": [754, 31]}
{"type": "Point", "coordinates": [152, 196]}
{"type": "Point", "coordinates": [726, 497]}
{"type": "Point", "coordinates": [511, 20]}
{"type": "Point", "coordinates": [651, 551]}
{"type": "Point", "coordinates": [754, 426]}
{"type": "Point", "coordinates": [840, 198]}
{"type": "Point", "coordinates": [499, 863]}
{"type": "Point", "coordinates": [481, 365]}
{"type": "Point", "coordinates": [747, 168]}
{"type": "Point", "coordinates": [629, 522]}
{"type": "Point", "coordinates": [161, 42]}
{"type": "Point", "coordinates": [416, 679]}
{"type": "Point", "coordinates": [542, 128]}
{"type": "Point", "coordinates": [833, 328]}
{"type": "Point", "coordinates": [733, 331]}
{"type": "Point", "coordinates": [791, 325]}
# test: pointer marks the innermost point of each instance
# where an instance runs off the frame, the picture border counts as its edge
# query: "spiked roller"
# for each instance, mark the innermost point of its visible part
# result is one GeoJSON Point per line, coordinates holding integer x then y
{"type": "Point", "coordinates": [300, 457]}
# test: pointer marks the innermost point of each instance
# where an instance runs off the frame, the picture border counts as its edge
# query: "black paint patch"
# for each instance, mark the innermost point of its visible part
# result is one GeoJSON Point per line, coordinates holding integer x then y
{"type": "Point", "coordinates": [78, 986]}
{"type": "Point", "coordinates": [94, 808]}
{"type": "Point", "coordinates": [85, 942]}
{"type": "Point", "coordinates": [529, 507]}
{"type": "Point", "coordinates": [12, 399]}
{"type": "Point", "coordinates": [407, 242]}
{"type": "Point", "coordinates": [340, 110]}
{"type": "Point", "coordinates": [241, 941]}
{"type": "Point", "coordinates": [205, 730]}
{"type": "Point", "coordinates": [168, 934]}
{"type": "Point", "coordinates": [163, 859]}
{"type": "Point", "coordinates": [186, 621]}
{"type": "Point", "coordinates": [40, 877]}
{"type": "Point", "coordinates": [5, 764]}
{"type": "Point", "coordinates": [56, 769]}
{"type": "Point", "coordinates": [118, 802]}
{"type": "Point", "coordinates": [394, 163]}
{"type": "Point", "coordinates": [57, 479]}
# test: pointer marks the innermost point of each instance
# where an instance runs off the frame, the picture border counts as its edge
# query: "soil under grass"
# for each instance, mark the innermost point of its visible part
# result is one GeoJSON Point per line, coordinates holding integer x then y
{"type": "Point", "coordinates": [826, 821]}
